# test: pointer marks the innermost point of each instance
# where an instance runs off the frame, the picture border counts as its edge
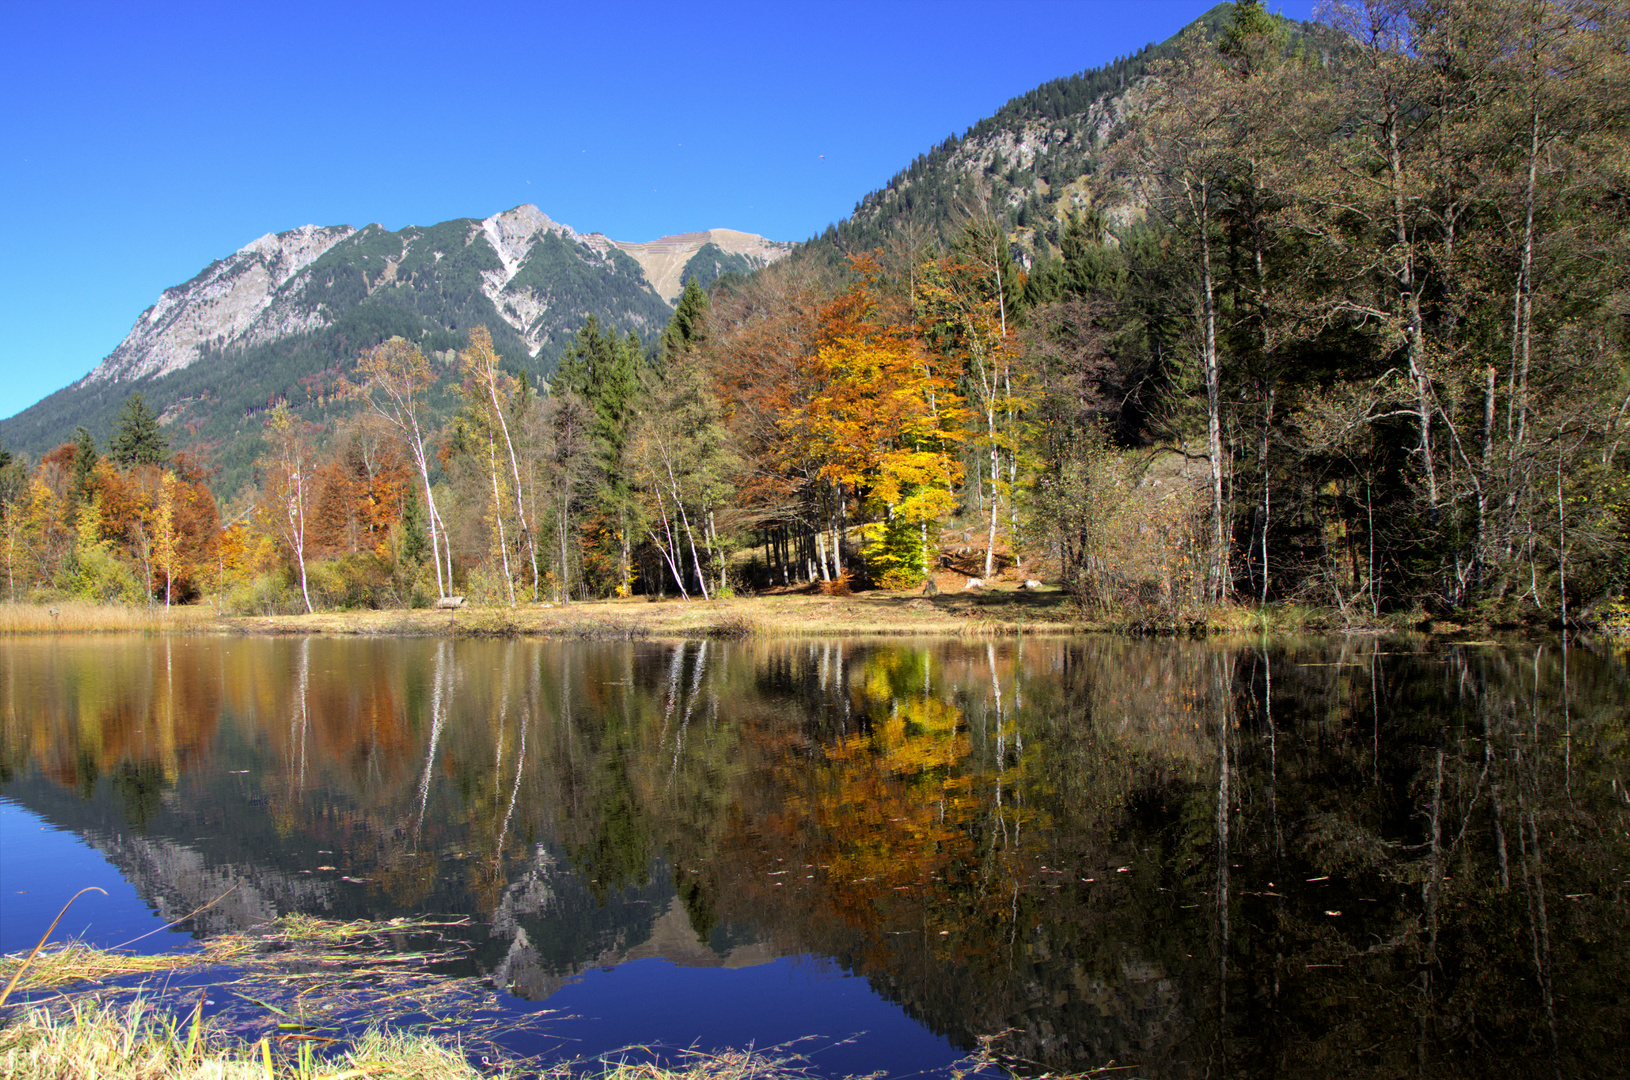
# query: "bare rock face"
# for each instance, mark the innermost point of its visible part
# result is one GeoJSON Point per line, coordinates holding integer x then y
{"type": "Point", "coordinates": [513, 232]}
{"type": "Point", "coordinates": [664, 259]}
{"type": "Point", "coordinates": [226, 304]}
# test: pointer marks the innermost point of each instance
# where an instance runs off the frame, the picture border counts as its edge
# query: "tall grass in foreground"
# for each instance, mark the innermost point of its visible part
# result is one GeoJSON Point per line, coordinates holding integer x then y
{"type": "Point", "coordinates": [84, 617]}
{"type": "Point", "coordinates": [93, 1041]}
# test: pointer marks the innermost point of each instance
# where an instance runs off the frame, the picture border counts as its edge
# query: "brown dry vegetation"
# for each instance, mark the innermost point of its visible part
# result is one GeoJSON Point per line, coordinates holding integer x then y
{"type": "Point", "coordinates": [807, 612]}
{"type": "Point", "coordinates": [83, 617]}
{"type": "Point", "coordinates": [792, 614]}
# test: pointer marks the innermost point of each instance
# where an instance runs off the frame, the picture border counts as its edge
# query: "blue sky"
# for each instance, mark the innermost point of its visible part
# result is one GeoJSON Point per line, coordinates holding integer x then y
{"type": "Point", "coordinates": [141, 141]}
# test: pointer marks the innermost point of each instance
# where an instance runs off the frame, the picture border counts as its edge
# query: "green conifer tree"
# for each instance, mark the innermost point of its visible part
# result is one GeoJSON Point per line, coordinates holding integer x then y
{"type": "Point", "coordinates": [84, 462]}
{"type": "Point", "coordinates": [137, 440]}
{"type": "Point", "coordinates": [685, 328]}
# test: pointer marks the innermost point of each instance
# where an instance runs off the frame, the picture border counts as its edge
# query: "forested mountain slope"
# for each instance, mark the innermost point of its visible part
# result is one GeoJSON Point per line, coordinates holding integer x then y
{"type": "Point", "coordinates": [1031, 161]}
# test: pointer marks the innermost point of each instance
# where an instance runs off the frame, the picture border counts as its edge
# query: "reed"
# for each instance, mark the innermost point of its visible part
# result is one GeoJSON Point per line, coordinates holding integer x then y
{"type": "Point", "coordinates": [137, 1041]}
{"type": "Point", "coordinates": [91, 1040]}
{"type": "Point", "coordinates": [84, 617]}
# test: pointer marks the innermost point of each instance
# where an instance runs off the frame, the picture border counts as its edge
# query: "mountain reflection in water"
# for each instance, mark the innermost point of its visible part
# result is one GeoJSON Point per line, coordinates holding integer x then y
{"type": "Point", "coordinates": [1347, 857]}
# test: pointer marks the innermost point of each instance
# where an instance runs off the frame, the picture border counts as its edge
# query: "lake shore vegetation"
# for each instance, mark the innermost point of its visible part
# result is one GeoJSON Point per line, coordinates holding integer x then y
{"type": "Point", "coordinates": [1336, 322]}
{"type": "Point", "coordinates": [315, 1000]}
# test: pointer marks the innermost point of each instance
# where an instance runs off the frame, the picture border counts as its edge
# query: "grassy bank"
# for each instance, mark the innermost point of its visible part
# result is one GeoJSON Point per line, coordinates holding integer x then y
{"type": "Point", "coordinates": [776, 615]}
{"type": "Point", "coordinates": [83, 617]}
{"type": "Point", "coordinates": [794, 614]}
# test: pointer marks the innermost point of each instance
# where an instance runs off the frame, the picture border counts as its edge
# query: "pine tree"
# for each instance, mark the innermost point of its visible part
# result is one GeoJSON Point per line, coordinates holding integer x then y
{"type": "Point", "coordinates": [84, 463]}
{"type": "Point", "coordinates": [138, 440]}
{"type": "Point", "coordinates": [685, 327]}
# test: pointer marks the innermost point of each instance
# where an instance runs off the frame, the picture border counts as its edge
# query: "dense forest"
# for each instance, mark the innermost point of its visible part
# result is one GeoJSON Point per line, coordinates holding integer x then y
{"type": "Point", "coordinates": [1342, 326]}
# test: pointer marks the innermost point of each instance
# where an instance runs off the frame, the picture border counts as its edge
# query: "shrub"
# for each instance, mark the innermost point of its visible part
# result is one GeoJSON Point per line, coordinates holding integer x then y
{"type": "Point", "coordinates": [262, 594]}
{"type": "Point", "coordinates": [101, 577]}
{"type": "Point", "coordinates": [358, 580]}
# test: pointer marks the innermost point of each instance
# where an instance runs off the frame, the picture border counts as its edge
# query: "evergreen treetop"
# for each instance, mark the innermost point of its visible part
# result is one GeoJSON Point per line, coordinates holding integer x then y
{"type": "Point", "coordinates": [686, 325]}
{"type": "Point", "coordinates": [137, 439]}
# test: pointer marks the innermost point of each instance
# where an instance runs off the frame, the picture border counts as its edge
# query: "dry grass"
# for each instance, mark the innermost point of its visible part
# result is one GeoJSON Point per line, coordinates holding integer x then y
{"type": "Point", "coordinates": [299, 984]}
{"type": "Point", "coordinates": [74, 963]}
{"type": "Point", "coordinates": [136, 1041]}
{"type": "Point", "coordinates": [776, 1063]}
{"type": "Point", "coordinates": [83, 617]}
{"type": "Point", "coordinates": [773, 615]}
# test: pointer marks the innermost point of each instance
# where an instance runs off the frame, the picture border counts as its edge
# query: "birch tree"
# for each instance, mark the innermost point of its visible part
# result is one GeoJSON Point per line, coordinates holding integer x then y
{"type": "Point", "coordinates": [395, 377]}
{"type": "Point", "coordinates": [288, 472]}
{"type": "Point", "coordinates": [494, 391]}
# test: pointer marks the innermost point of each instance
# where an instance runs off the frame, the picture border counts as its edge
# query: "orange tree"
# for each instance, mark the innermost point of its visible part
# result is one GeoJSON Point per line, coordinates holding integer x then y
{"type": "Point", "coordinates": [881, 425]}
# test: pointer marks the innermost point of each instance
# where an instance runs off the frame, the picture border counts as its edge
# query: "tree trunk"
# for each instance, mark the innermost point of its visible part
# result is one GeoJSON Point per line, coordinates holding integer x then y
{"type": "Point", "coordinates": [498, 519]}
{"type": "Point", "coordinates": [995, 478]}
{"type": "Point", "coordinates": [1220, 570]}
{"type": "Point", "coordinates": [1409, 293]}
{"type": "Point", "coordinates": [1267, 502]}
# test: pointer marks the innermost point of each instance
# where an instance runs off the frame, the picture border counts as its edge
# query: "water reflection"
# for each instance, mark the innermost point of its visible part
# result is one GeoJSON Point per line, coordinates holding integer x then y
{"type": "Point", "coordinates": [1189, 857]}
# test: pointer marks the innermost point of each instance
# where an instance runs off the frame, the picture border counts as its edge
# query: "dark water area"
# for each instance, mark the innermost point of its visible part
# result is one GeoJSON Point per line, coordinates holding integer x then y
{"type": "Point", "coordinates": [1342, 857]}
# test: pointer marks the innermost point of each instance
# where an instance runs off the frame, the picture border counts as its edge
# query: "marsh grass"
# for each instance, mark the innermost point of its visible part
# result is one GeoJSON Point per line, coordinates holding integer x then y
{"type": "Point", "coordinates": [83, 617]}
{"type": "Point", "coordinates": [139, 1041]}
{"type": "Point", "coordinates": [73, 963]}
{"type": "Point", "coordinates": [782, 1062]}
{"type": "Point", "coordinates": [300, 987]}
{"type": "Point", "coordinates": [91, 1040]}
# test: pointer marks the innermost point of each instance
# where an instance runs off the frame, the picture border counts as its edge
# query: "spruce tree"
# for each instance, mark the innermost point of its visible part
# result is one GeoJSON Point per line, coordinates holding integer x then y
{"type": "Point", "coordinates": [686, 325]}
{"type": "Point", "coordinates": [84, 461]}
{"type": "Point", "coordinates": [138, 440]}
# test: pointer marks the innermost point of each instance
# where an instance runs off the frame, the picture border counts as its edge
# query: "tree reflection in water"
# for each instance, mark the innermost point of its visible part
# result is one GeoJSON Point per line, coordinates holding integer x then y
{"type": "Point", "coordinates": [1353, 857]}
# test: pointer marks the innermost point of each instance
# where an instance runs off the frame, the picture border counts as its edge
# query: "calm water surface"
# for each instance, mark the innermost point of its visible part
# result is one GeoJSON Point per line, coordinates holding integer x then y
{"type": "Point", "coordinates": [1340, 858]}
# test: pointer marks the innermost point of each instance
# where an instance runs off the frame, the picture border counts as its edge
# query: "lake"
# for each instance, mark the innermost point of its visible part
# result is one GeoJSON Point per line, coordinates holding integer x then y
{"type": "Point", "coordinates": [1344, 857]}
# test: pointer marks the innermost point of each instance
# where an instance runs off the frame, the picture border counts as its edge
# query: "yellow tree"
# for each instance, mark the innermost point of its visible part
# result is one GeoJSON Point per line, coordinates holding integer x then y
{"type": "Point", "coordinates": [882, 425]}
{"type": "Point", "coordinates": [44, 535]}
{"type": "Point", "coordinates": [164, 535]}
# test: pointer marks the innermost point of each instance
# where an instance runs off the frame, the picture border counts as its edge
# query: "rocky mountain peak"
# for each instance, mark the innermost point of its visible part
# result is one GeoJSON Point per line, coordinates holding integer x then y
{"type": "Point", "coordinates": [513, 232]}
{"type": "Point", "coordinates": [222, 304]}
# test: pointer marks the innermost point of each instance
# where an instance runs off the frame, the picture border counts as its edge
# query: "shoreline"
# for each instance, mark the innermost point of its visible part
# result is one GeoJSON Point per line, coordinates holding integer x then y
{"type": "Point", "coordinates": [789, 614]}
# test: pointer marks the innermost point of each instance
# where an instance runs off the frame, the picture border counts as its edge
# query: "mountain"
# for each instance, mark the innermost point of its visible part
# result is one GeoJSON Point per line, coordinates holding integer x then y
{"type": "Point", "coordinates": [1030, 163]}
{"type": "Point", "coordinates": [287, 314]}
